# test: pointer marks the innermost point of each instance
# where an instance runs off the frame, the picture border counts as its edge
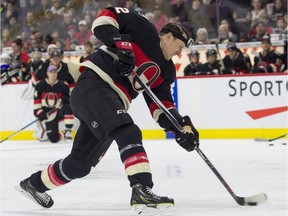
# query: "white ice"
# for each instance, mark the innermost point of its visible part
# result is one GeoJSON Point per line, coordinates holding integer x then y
{"type": "Point", "coordinates": [249, 168]}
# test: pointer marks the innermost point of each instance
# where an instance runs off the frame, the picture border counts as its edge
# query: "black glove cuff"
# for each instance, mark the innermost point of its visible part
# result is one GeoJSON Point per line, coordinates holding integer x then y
{"type": "Point", "coordinates": [165, 123]}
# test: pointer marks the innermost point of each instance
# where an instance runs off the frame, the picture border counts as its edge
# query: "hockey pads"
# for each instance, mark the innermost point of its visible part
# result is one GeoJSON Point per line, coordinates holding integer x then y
{"type": "Point", "coordinates": [122, 47]}
{"type": "Point", "coordinates": [188, 140]}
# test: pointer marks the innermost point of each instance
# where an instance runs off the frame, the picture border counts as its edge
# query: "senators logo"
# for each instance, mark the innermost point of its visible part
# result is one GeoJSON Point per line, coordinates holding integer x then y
{"type": "Point", "coordinates": [148, 73]}
{"type": "Point", "coordinates": [51, 99]}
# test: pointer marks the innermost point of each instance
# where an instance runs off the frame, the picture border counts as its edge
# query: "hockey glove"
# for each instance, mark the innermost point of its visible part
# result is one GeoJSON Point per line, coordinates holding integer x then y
{"type": "Point", "coordinates": [188, 140]}
{"type": "Point", "coordinates": [122, 47]}
{"type": "Point", "coordinates": [41, 115]}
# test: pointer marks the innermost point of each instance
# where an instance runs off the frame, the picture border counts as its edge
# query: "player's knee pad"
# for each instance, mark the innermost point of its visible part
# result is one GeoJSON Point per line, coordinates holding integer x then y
{"type": "Point", "coordinates": [74, 167]}
{"type": "Point", "coordinates": [54, 137]}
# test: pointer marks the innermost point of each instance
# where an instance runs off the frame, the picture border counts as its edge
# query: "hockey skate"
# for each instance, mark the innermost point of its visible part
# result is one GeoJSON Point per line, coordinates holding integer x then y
{"type": "Point", "coordinates": [145, 202]}
{"type": "Point", "coordinates": [28, 190]}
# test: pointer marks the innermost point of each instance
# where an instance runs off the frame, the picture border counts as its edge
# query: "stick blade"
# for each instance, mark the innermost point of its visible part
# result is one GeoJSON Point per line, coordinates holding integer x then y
{"type": "Point", "coordinates": [253, 200]}
{"type": "Point", "coordinates": [261, 140]}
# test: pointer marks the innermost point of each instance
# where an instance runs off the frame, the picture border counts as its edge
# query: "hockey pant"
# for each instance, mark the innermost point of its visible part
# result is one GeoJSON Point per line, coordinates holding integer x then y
{"type": "Point", "coordinates": [102, 119]}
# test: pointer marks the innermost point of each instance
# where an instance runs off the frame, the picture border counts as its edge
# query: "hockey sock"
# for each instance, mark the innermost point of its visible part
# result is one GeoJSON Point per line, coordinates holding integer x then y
{"type": "Point", "coordinates": [133, 155]}
{"type": "Point", "coordinates": [50, 178]}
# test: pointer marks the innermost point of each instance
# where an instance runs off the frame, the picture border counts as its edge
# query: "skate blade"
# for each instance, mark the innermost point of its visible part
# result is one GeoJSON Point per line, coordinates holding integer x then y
{"type": "Point", "coordinates": [27, 195]}
{"type": "Point", "coordinates": [159, 210]}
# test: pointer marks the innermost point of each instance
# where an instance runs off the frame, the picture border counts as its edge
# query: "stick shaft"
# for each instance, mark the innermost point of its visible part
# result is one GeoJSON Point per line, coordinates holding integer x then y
{"type": "Point", "coordinates": [180, 128]}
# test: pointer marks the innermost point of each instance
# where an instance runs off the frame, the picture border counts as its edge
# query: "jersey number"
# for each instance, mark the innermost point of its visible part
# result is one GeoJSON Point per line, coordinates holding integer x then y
{"type": "Point", "coordinates": [121, 10]}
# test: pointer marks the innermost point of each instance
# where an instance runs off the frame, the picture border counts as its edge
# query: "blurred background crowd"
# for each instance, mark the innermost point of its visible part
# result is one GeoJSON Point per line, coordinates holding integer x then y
{"type": "Point", "coordinates": [28, 27]}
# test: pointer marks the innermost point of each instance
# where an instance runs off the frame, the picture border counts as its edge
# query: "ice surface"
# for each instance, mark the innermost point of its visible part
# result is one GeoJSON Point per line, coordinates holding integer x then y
{"type": "Point", "coordinates": [249, 168]}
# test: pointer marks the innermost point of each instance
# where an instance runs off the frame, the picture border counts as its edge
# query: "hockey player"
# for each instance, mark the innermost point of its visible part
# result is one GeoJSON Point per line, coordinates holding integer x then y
{"type": "Point", "coordinates": [212, 66]}
{"type": "Point", "coordinates": [55, 59]}
{"type": "Point", "coordinates": [194, 65]}
{"type": "Point", "coordinates": [235, 62]}
{"type": "Point", "coordinates": [267, 61]}
{"type": "Point", "coordinates": [52, 96]}
{"type": "Point", "coordinates": [102, 96]}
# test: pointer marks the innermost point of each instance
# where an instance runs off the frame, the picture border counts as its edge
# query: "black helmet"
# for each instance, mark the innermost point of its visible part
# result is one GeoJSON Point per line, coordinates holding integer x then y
{"type": "Point", "coordinates": [211, 52]}
{"type": "Point", "coordinates": [231, 46]}
{"type": "Point", "coordinates": [194, 53]}
{"type": "Point", "coordinates": [266, 38]}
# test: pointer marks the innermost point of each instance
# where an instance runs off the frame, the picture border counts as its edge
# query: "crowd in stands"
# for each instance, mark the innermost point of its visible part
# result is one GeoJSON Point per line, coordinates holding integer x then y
{"type": "Point", "coordinates": [32, 25]}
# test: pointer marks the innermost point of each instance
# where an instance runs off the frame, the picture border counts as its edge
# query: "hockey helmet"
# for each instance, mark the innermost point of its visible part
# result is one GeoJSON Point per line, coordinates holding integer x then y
{"type": "Point", "coordinates": [211, 52]}
{"type": "Point", "coordinates": [266, 38]}
{"type": "Point", "coordinates": [56, 53]}
{"type": "Point", "coordinates": [194, 53]}
{"type": "Point", "coordinates": [231, 46]}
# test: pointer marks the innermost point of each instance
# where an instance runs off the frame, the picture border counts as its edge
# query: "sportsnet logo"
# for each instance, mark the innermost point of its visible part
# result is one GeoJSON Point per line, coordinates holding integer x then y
{"type": "Point", "coordinates": [257, 114]}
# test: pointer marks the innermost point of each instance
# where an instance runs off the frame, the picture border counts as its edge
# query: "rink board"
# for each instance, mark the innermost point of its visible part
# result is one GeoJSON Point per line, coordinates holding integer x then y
{"type": "Point", "coordinates": [220, 107]}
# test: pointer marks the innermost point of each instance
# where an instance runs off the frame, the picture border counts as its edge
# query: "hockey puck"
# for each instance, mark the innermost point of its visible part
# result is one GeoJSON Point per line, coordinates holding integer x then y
{"type": "Point", "coordinates": [271, 144]}
{"type": "Point", "coordinates": [252, 203]}
{"type": "Point", "coordinates": [284, 143]}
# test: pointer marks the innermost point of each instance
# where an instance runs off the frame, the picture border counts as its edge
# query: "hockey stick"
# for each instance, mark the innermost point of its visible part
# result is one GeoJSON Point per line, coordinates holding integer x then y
{"type": "Point", "coordinates": [258, 55]}
{"type": "Point", "coordinates": [269, 140]}
{"type": "Point", "coordinates": [251, 200]}
{"type": "Point", "coordinates": [16, 132]}
{"type": "Point", "coordinates": [220, 58]}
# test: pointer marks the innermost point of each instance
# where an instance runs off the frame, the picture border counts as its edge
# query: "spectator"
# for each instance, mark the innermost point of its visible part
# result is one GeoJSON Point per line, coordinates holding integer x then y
{"type": "Point", "coordinates": [6, 37]}
{"type": "Point", "coordinates": [95, 42]}
{"type": "Point", "coordinates": [257, 33]}
{"type": "Point", "coordinates": [34, 7]}
{"type": "Point", "coordinates": [49, 22]}
{"type": "Point", "coordinates": [160, 18]}
{"type": "Point", "coordinates": [178, 12]}
{"type": "Point", "coordinates": [258, 9]}
{"type": "Point", "coordinates": [235, 62]}
{"type": "Point", "coordinates": [67, 21]}
{"type": "Point", "coordinates": [89, 49]}
{"type": "Point", "coordinates": [165, 7]}
{"type": "Point", "coordinates": [10, 11]}
{"type": "Point", "coordinates": [224, 35]}
{"type": "Point", "coordinates": [277, 11]}
{"type": "Point", "coordinates": [202, 37]}
{"type": "Point", "coordinates": [197, 19]}
{"type": "Point", "coordinates": [71, 31]}
{"type": "Point", "coordinates": [212, 66]}
{"type": "Point", "coordinates": [132, 5]}
{"type": "Point", "coordinates": [233, 31]}
{"type": "Point", "coordinates": [13, 26]}
{"type": "Point", "coordinates": [72, 45]}
{"type": "Point", "coordinates": [57, 8]}
{"type": "Point", "coordinates": [194, 65]}
{"type": "Point", "coordinates": [282, 27]}
{"type": "Point", "coordinates": [31, 22]}
{"type": "Point", "coordinates": [20, 61]}
{"type": "Point", "coordinates": [88, 5]}
{"type": "Point", "coordinates": [265, 19]}
{"type": "Point", "coordinates": [44, 5]}
{"type": "Point", "coordinates": [84, 32]}
{"type": "Point", "coordinates": [52, 96]}
{"type": "Point", "coordinates": [267, 61]}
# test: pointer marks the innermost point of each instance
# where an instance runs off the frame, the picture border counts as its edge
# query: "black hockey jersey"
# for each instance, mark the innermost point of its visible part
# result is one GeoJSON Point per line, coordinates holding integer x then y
{"type": "Point", "coordinates": [241, 64]}
{"type": "Point", "coordinates": [210, 69]}
{"type": "Point", "coordinates": [48, 97]}
{"type": "Point", "coordinates": [153, 69]}
{"type": "Point", "coordinates": [271, 62]}
{"type": "Point", "coordinates": [63, 73]}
